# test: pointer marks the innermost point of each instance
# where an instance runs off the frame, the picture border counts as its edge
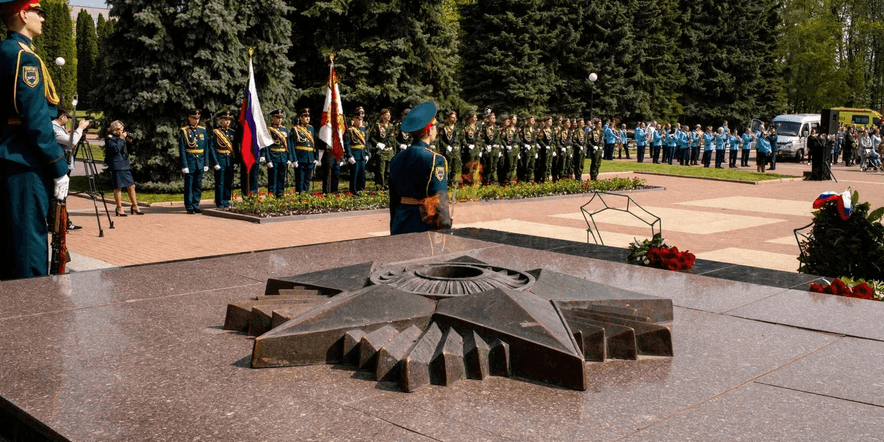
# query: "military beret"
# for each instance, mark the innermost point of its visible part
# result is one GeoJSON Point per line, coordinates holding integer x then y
{"type": "Point", "coordinates": [277, 113]}
{"type": "Point", "coordinates": [419, 117]}
{"type": "Point", "coordinates": [11, 7]}
{"type": "Point", "coordinates": [193, 113]}
{"type": "Point", "coordinates": [304, 111]}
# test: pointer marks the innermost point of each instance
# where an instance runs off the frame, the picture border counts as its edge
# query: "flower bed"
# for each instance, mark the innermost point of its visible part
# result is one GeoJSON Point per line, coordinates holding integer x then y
{"type": "Point", "coordinates": [293, 203]}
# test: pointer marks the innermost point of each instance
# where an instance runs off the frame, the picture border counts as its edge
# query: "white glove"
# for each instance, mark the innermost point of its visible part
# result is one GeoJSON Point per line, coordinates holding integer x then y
{"type": "Point", "coordinates": [472, 146]}
{"type": "Point", "coordinates": [262, 159]}
{"type": "Point", "coordinates": [554, 153]}
{"type": "Point", "coordinates": [289, 163]}
{"type": "Point", "coordinates": [509, 148]}
{"type": "Point", "coordinates": [316, 162]}
{"type": "Point", "coordinates": [295, 165]}
{"type": "Point", "coordinates": [535, 156]}
{"type": "Point", "coordinates": [547, 147]}
{"type": "Point", "coordinates": [61, 187]}
{"type": "Point", "coordinates": [367, 156]}
{"type": "Point", "coordinates": [449, 148]}
{"type": "Point", "coordinates": [381, 146]}
{"type": "Point", "coordinates": [403, 147]}
{"type": "Point", "coordinates": [270, 165]}
{"type": "Point", "coordinates": [527, 147]}
{"type": "Point", "coordinates": [341, 163]}
{"type": "Point", "coordinates": [217, 167]}
{"type": "Point", "coordinates": [205, 168]}
{"type": "Point", "coordinates": [500, 154]}
{"type": "Point", "coordinates": [185, 170]}
{"type": "Point", "coordinates": [480, 154]}
{"type": "Point", "coordinates": [497, 146]}
{"type": "Point", "coordinates": [351, 160]}
{"type": "Point", "coordinates": [487, 148]}
{"type": "Point", "coordinates": [519, 156]}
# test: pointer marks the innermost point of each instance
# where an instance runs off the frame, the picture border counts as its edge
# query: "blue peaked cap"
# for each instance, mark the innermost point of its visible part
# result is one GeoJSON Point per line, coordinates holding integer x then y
{"type": "Point", "coordinates": [419, 117]}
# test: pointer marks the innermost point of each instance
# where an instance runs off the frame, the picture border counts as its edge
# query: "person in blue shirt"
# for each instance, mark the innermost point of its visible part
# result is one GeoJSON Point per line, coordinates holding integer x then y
{"type": "Point", "coordinates": [610, 139]}
{"type": "Point", "coordinates": [681, 137]}
{"type": "Point", "coordinates": [747, 141]}
{"type": "Point", "coordinates": [671, 144]}
{"type": "Point", "coordinates": [640, 142]}
{"type": "Point", "coordinates": [733, 141]}
{"type": "Point", "coordinates": [696, 135]}
{"type": "Point", "coordinates": [418, 178]}
{"type": "Point", "coordinates": [624, 142]}
{"type": "Point", "coordinates": [773, 147]}
{"type": "Point", "coordinates": [355, 151]}
{"type": "Point", "coordinates": [762, 149]}
{"type": "Point", "coordinates": [720, 141]}
{"type": "Point", "coordinates": [708, 144]}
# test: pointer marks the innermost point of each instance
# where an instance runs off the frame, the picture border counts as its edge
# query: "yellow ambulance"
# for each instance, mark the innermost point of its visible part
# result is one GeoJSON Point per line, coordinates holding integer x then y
{"type": "Point", "coordinates": [859, 117]}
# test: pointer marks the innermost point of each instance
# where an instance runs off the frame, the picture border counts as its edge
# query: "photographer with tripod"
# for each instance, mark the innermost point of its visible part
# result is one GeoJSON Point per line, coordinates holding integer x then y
{"type": "Point", "coordinates": [67, 141]}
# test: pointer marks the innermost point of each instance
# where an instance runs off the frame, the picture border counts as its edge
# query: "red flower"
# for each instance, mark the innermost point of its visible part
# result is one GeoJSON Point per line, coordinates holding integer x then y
{"type": "Point", "coordinates": [863, 291]}
{"type": "Point", "coordinates": [817, 288]}
{"type": "Point", "coordinates": [828, 290]}
{"type": "Point", "coordinates": [840, 288]}
{"type": "Point", "coordinates": [684, 262]}
{"type": "Point", "coordinates": [671, 265]}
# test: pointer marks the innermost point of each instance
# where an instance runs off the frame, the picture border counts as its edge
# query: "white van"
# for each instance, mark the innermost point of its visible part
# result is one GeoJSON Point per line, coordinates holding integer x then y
{"type": "Point", "coordinates": [792, 132]}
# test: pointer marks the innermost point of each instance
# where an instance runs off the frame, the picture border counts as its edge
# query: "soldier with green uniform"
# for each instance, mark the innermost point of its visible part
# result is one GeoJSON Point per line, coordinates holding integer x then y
{"type": "Point", "coordinates": [491, 148]}
{"type": "Point", "coordinates": [594, 149]}
{"type": "Point", "coordinates": [578, 146]}
{"type": "Point", "coordinates": [382, 139]}
{"type": "Point", "coordinates": [470, 148]}
{"type": "Point", "coordinates": [448, 144]}
{"type": "Point", "coordinates": [511, 141]}
{"type": "Point", "coordinates": [546, 141]}
{"type": "Point", "coordinates": [527, 151]}
{"type": "Point", "coordinates": [403, 138]}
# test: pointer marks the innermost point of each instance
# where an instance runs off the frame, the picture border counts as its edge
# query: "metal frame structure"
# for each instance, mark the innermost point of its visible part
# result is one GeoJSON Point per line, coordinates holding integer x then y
{"type": "Point", "coordinates": [590, 220]}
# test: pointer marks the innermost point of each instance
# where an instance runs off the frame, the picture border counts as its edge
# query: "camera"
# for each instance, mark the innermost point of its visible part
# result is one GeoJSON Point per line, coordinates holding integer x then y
{"type": "Point", "coordinates": [92, 124]}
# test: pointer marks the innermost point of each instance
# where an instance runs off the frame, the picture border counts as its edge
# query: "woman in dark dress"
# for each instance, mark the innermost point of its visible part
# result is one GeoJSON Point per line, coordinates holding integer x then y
{"type": "Point", "coordinates": [117, 160]}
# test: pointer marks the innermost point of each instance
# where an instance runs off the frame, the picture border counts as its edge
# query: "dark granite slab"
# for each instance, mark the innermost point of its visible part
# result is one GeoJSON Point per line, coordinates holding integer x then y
{"type": "Point", "coordinates": [769, 277]}
{"type": "Point", "coordinates": [685, 290]}
{"type": "Point", "coordinates": [763, 413]}
{"type": "Point", "coordinates": [817, 311]}
{"type": "Point", "coordinates": [513, 239]}
{"type": "Point", "coordinates": [848, 369]}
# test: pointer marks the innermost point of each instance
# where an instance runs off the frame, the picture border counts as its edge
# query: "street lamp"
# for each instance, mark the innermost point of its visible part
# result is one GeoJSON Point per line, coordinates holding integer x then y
{"type": "Point", "coordinates": [592, 78]}
{"type": "Point", "coordinates": [60, 62]}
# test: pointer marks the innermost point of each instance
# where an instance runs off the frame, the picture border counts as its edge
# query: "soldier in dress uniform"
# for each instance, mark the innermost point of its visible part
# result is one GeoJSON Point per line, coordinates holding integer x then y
{"type": "Point", "coordinates": [193, 141]}
{"type": "Point", "coordinates": [277, 154]}
{"type": "Point", "coordinates": [595, 149]}
{"type": "Point", "coordinates": [511, 141]}
{"type": "Point", "coordinates": [32, 164]}
{"type": "Point", "coordinates": [448, 144]}
{"type": "Point", "coordinates": [221, 158]}
{"type": "Point", "coordinates": [301, 143]}
{"type": "Point", "coordinates": [547, 141]}
{"type": "Point", "coordinates": [382, 139]}
{"type": "Point", "coordinates": [470, 149]}
{"type": "Point", "coordinates": [491, 148]}
{"type": "Point", "coordinates": [356, 151]}
{"type": "Point", "coordinates": [578, 147]}
{"type": "Point", "coordinates": [403, 138]}
{"type": "Point", "coordinates": [527, 151]}
{"type": "Point", "coordinates": [418, 184]}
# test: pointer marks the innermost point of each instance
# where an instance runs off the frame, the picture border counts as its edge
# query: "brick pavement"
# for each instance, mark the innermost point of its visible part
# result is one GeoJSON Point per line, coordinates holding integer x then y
{"type": "Point", "coordinates": [740, 223]}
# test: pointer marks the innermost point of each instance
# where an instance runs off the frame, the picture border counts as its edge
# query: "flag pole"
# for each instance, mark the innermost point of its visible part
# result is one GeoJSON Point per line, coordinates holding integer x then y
{"type": "Point", "coordinates": [328, 164]}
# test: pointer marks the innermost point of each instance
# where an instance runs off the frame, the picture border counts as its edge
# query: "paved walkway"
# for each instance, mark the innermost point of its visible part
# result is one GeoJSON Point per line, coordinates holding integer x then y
{"type": "Point", "coordinates": [730, 222]}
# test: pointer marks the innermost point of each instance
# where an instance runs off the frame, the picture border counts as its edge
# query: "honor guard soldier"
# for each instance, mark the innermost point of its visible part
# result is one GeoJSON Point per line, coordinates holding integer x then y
{"type": "Point", "coordinates": [578, 148]}
{"type": "Point", "coordinates": [221, 159]}
{"type": "Point", "coordinates": [382, 138]}
{"type": "Point", "coordinates": [506, 168]}
{"type": "Point", "coordinates": [356, 152]}
{"type": "Point", "coordinates": [448, 144]}
{"type": "Point", "coordinates": [595, 149]}
{"type": "Point", "coordinates": [491, 149]}
{"type": "Point", "coordinates": [527, 151]}
{"type": "Point", "coordinates": [277, 154]}
{"type": "Point", "coordinates": [546, 140]}
{"type": "Point", "coordinates": [403, 138]}
{"type": "Point", "coordinates": [193, 141]}
{"type": "Point", "coordinates": [30, 157]}
{"type": "Point", "coordinates": [301, 143]}
{"type": "Point", "coordinates": [469, 151]}
{"type": "Point", "coordinates": [418, 184]}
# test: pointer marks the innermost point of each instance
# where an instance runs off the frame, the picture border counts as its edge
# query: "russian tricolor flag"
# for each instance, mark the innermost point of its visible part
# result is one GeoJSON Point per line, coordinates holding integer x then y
{"type": "Point", "coordinates": [251, 119]}
{"type": "Point", "coordinates": [841, 200]}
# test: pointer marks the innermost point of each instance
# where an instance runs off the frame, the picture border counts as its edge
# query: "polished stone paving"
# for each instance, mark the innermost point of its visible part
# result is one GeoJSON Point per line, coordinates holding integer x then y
{"type": "Point", "coordinates": [138, 353]}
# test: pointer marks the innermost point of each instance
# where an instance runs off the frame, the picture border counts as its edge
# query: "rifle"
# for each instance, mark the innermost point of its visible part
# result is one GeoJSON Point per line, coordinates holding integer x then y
{"type": "Point", "coordinates": [58, 226]}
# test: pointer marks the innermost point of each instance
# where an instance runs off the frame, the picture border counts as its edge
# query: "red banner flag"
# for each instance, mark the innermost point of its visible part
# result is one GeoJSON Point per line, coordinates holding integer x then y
{"type": "Point", "coordinates": [332, 130]}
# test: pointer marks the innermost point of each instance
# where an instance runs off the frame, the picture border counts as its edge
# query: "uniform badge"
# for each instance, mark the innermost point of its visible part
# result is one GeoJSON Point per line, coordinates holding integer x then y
{"type": "Point", "coordinates": [440, 173]}
{"type": "Point", "coordinates": [30, 75]}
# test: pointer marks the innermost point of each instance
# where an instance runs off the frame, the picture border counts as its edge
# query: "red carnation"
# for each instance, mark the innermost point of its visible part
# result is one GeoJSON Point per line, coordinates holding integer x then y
{"type": "Point", "coordinates": [817, 288]}
{"type": "Point", "coordinates": [828, 290]}
{"type": "Point", "coordinates": [840, 288]}
{"type": "Point", "coordinates": [671, 264]}
{"type": "Point", "coordinates": [863, 291]}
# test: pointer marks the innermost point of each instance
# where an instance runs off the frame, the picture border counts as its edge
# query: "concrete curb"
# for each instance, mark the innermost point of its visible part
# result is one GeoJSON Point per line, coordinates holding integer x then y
{"type": "Point", "coordinates": [725, 180]}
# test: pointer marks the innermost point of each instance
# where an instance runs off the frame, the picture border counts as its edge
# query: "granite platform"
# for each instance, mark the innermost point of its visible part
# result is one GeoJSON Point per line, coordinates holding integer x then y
{"type": "Point", "coordinates": [138, 353]}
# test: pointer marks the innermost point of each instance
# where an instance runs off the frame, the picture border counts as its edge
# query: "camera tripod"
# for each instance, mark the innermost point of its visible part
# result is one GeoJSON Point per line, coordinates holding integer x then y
{"type": "Point", "coordinates": [92, 177]}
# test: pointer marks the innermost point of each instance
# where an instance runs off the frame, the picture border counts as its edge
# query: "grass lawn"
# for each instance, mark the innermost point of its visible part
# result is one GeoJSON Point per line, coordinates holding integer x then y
{"type": "Point", "coordinates": [745, 174]}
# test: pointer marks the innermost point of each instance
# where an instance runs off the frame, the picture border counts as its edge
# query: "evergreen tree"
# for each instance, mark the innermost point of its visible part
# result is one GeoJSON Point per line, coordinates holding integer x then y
{"type": "Point", "coordinates": [87, 55]}
{"type": "Point", "coordinates": [391, 54]}
{"type": "Point", "coordinates": [103, 30]}
{"type": "Point", "coordinates": [656, 56]}
{"type": "Point", "coordinates": [57, 40]}
{"type": "Point", "coordinates": [170, 56]}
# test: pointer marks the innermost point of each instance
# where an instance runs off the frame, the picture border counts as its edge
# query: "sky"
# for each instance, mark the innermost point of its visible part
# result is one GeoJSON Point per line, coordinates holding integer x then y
{"type": "Point", "coordinates": [89, 3]}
